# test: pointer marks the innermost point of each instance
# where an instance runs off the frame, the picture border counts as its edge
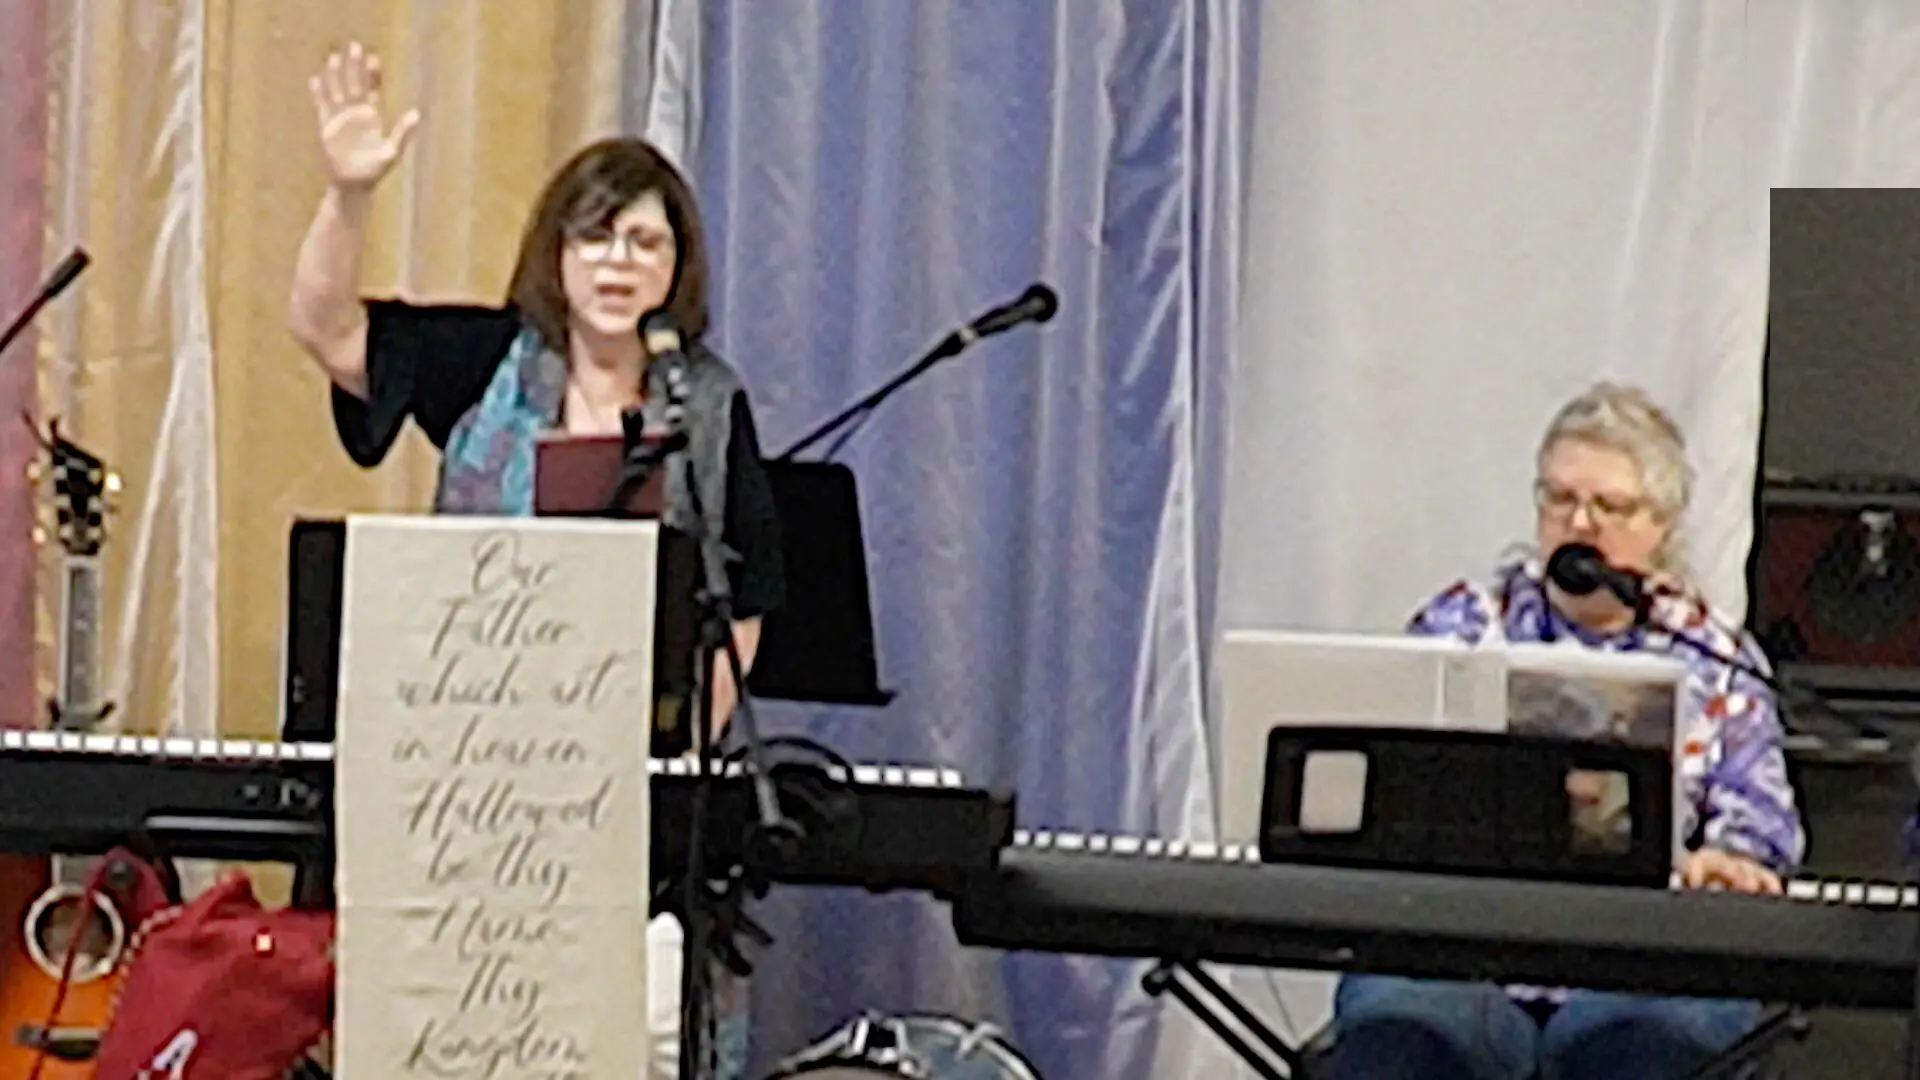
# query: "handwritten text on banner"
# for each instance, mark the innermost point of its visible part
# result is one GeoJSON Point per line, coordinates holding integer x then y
{"type": "Point", "coordinates": [492, 798]}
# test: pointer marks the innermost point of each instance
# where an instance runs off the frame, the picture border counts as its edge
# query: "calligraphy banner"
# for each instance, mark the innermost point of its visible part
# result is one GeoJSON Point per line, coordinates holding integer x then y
{"type": "Point", "coordinates": [491, 802]}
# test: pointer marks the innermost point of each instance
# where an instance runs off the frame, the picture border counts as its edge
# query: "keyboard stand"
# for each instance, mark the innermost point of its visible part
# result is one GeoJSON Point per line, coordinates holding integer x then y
{"type": "Point", "coordinates": [1165, 978]}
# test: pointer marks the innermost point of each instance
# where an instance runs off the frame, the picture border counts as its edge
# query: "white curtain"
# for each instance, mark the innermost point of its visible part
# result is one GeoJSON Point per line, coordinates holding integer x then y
{"type": "Point", "coordinates": [1461, 214]}
{"type": "Point", "coordinates": [1833, 90]}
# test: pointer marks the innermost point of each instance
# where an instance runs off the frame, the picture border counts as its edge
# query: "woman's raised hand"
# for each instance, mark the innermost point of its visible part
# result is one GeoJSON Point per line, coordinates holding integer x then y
{"type": "Point", "coordinates": [346, 100]}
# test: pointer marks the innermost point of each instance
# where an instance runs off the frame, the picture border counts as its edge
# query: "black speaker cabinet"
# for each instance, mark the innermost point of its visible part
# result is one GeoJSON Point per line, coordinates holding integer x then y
{"type": "Point", "coordinates": [1837, 588]}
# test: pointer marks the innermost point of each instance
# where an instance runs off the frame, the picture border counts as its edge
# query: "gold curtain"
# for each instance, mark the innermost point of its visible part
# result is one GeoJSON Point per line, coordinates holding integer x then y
{"type": "Point", "coordinates": [182, 155]}
{"type": "Point", "coordinates": [182, 147]}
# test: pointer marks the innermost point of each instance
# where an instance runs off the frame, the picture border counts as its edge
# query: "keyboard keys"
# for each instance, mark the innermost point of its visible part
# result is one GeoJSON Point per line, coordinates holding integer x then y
{"type": "Point", "coordinates": [245, 751]}
{"type": "Point", "coordinates": [1849, 892]}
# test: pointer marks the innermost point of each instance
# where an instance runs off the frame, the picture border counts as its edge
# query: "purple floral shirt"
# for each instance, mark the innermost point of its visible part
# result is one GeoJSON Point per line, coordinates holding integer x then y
{"type": "Point", "coordinates": [1733, 770]}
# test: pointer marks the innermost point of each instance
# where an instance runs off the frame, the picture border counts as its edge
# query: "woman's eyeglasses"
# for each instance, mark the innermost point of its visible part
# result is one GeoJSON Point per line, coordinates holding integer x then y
{"type": "Point", "coordinates": [1563, 503]}
{"type": "Point", "coordinates": [597, 243]}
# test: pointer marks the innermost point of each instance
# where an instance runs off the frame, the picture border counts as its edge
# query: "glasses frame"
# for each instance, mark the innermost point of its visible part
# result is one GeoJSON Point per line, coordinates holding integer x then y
{"type": "Point", "coordinates": [598, 244]}
{"type": "Point", "coordinates": [1604, 511]}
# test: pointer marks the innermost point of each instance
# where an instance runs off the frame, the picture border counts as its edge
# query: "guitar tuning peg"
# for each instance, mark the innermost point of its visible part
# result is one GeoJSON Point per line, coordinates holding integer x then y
{"type": "Point", "coordinates": [39, 536]}
{"type": "Point", "coordinates": [34, 471]}
{"type": "Point", "coordinates": [112, 483]}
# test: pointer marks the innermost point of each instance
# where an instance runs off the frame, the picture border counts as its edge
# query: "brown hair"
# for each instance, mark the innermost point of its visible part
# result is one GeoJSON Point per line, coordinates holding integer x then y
{"type": "Point", "coordinates": [591, 189]}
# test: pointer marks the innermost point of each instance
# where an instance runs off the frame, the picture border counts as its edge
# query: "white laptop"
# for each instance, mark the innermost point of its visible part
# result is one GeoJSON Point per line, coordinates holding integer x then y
{"type": "Point", "coordinates": [1280, 678]}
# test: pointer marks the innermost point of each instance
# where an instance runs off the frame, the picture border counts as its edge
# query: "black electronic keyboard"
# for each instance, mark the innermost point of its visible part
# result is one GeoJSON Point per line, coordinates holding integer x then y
{"type": "Point", "coordinates": [1842, 943]}
{"type": "Point", "coordinates": [1849, 944]}
{"type": "Point", "coordinates": [880, 827]}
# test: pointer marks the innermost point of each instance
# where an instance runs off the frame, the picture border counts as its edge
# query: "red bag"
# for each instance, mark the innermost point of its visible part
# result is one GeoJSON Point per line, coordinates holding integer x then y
{"type": "Point", "coordinates": [219, 988]}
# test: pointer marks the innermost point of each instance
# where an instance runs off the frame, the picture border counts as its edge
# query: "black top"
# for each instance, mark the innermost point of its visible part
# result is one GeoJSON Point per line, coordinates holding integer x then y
{"type": "Point", "coordinates": [434, 363]}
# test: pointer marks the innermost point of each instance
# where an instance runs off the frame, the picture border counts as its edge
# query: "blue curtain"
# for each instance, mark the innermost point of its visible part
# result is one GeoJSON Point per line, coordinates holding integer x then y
{"type": "Point", "coordinates": [1042, 512]}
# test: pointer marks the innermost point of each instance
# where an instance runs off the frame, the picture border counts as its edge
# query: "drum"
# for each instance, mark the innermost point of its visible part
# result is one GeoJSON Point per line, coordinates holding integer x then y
{"type": "Point", "coordinates": [876, 1047]}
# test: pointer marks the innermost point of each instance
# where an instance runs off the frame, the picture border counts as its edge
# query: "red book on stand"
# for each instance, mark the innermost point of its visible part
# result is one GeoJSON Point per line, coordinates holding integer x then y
{"type": "Point", "coordinates": [575, 476]}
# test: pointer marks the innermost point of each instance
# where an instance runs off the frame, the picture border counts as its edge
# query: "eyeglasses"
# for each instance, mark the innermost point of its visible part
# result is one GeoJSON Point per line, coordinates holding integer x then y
{"type": "Point", "coordinates": [1605, 510]}
{"type": "Point", "coordinates": [597, 243]}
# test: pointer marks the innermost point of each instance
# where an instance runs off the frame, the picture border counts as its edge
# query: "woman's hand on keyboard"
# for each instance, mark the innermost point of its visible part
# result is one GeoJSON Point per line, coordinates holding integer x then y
{"type": "Point", "coordinates": [1710, 868]}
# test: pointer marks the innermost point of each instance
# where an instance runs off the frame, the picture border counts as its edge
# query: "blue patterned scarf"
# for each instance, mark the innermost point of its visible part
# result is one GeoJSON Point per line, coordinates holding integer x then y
{"type": "Point", "coordinates": [487, 467]}
{"type": "Point", "coordinates": [487, 464]}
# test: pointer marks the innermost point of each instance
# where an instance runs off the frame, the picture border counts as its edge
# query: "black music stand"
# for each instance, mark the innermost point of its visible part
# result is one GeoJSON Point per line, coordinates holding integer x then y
{"type": "Point", "coordinates": [819, 645]}
{"type": "Point", "coordinates": [310, 657]}
{"type": "Point", "coordinates": [1437, 801]}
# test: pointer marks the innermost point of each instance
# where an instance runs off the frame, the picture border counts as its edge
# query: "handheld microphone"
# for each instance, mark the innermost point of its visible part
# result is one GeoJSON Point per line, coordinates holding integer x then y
{"type": "Point", "coordinates": [1037, 304]}
{"type": "Point", "coordinates": [56, 283]}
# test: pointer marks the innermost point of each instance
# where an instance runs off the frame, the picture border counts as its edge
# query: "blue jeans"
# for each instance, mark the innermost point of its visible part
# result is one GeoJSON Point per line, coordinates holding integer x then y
{"type": "Point", "coordinates": [1389, 1028]}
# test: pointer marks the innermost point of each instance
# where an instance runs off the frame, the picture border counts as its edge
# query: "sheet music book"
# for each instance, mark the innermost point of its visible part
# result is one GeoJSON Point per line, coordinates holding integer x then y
{"type": "Point", "coordinates": [1274, 678]}
{"type": "Point", "coordinates": [1570, 692]}
{"type": "Point", "coordinates": [491, 802]}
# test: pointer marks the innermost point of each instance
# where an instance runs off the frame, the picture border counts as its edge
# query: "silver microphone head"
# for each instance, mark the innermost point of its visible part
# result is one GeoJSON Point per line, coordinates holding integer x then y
{"type": "Point", "coordinates": [661, 336]}
{"type": "Point", "coordinates": [660, 333]}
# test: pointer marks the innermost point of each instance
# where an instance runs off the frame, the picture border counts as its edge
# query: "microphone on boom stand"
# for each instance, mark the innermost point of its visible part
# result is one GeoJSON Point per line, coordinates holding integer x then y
{"type": "Point", "coordinates": [1037, 305]}
{"type": "Point", "coordinates": [773, 836]}
{"type": "Point", "coordinates": [1580, 570]}
{"type": "Point", "coordinates": [774, 833]}
{"type": "Point", "coordinates": [55, 284]}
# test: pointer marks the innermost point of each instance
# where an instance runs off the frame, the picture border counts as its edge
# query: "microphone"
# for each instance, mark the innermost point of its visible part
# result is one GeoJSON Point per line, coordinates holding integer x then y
{"type": "Point", "coordinates": [661, 335]}
{"type": "Point", "coordinates": [776, 835]}
{"type": "Point", "coordinates": [644, 449]}
{"type": "Point", "coordinates": [1580, 570]}
{"type": "Point", "coordinates": [771, 836]}
{"type": "Point", "coordinates": [1037, 304]}
{"type": "Point", "coordinates": [56, 283]}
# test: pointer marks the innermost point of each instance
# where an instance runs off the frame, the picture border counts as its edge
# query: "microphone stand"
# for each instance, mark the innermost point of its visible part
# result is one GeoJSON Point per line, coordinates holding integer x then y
{"type": "Point", "coordinates": [773, 836]}
{"type": "Point", "coordinates": [641, 456]}
{"type": "Point", "coordinates": [1036, 305]}
{"type": "Point", "coordinates": [56, 283]}
{"type": "Point", "coordinates": [950, 346]}
{"type": "Point", "coordinates": [1790, 693]}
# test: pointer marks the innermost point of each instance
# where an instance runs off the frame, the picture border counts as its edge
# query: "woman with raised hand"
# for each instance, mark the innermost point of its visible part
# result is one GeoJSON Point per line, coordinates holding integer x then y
{"type": "Point", "coordinates": [614, 237]}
